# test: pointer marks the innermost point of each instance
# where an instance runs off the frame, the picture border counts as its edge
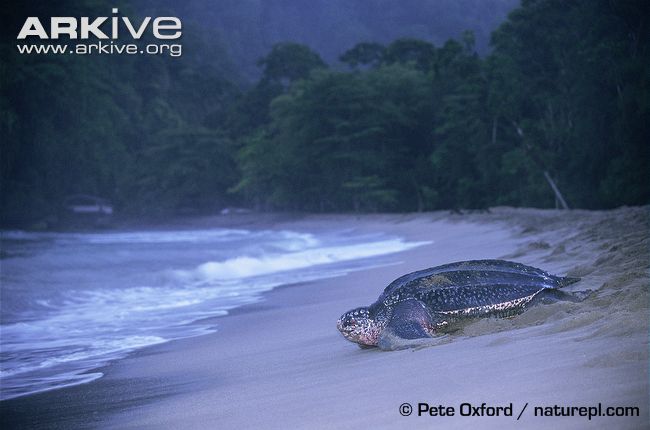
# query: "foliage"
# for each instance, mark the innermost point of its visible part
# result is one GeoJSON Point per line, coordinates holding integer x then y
{"type": "Point", "coordinates": [409, 126]}
{"type": "Point", "coordinates": [288, 62]}
{"type": "Point", "coordinates": [338, 138]}
{"type": "Point", "coordinates": [574, 77]}
{"type": "Point", "coordinates": [141, 131]}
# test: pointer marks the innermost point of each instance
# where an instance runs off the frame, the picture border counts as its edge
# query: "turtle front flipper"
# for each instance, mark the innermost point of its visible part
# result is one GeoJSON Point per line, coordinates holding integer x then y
{"type": "Point", "coordinates": [410, 321]}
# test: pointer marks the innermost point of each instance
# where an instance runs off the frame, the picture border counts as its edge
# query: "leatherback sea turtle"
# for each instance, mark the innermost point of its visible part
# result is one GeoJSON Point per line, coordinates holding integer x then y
{"type": "Point", "coordinates": [423, 303]}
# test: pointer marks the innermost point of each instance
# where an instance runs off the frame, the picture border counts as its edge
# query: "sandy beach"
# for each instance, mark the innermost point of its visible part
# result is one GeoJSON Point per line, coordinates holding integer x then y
{"type": "Point", "coordinates": [281, 363]}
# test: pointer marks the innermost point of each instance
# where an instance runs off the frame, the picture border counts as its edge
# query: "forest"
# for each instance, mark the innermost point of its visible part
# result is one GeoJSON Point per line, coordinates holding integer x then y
{"type": "Point", "coordinates": [402, 125]}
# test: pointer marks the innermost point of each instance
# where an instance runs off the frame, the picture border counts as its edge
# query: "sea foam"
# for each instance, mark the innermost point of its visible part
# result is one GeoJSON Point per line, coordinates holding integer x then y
{"type": "Point", "coordinates": [244, 266]}
{"type": "Point", "coordinates": [74, 301]}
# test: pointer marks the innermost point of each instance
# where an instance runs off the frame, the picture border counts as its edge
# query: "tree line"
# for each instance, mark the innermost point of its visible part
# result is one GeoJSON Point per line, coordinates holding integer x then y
{"type": "Point", "coordinates": [404, 126]}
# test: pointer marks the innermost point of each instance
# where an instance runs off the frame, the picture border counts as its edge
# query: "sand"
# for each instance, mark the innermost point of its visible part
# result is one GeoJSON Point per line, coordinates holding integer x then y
{"type": "Point", "coordinates": [281, 363]}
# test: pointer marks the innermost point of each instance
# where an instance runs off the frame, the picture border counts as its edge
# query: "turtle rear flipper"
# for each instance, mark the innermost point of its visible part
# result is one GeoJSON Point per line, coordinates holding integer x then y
{"type": "Point", "coordinates": [549, 295]}
{"type": "Point", "coordinates": [563, 281]}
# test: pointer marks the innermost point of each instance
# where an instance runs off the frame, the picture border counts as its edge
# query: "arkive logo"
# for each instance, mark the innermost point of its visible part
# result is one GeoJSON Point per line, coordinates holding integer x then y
{"type": "Point", "coordinates": [106, 33]}
{"type": "Point", "coordinates": [166, 27]}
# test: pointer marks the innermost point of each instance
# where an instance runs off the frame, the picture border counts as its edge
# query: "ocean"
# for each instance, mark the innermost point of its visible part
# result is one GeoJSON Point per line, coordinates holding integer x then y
{"type": "Point", "coordinates": [72, 302]}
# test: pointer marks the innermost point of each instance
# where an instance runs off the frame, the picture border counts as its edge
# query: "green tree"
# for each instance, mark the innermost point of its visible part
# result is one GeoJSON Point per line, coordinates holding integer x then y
{"type": "Point", "coordinates": [568, 80]}
{"type": "Point", "coordinates": [368, 54]}
{"type": "Point", "coordinates": [420, 53]}
{"type": "Point", "coordinates": [288, 62]}
{"type": "Point", "coordinates": [95, 124]}
{"type": "Point", "coordinates": [341, 141]}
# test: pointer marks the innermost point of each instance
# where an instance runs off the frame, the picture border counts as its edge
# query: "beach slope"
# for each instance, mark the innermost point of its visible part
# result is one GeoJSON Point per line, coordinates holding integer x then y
{"type": "Point", "coordinates": [282, 364]}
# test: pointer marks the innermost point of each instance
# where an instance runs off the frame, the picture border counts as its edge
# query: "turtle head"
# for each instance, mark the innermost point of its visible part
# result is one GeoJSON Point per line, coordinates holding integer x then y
{"type": "Point", "coordinates": [360, 327]}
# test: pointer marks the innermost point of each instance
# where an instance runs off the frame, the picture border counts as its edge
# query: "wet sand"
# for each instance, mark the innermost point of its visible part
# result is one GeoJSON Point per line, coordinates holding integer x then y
{"type": "Point", "coordinates": [281, 363]}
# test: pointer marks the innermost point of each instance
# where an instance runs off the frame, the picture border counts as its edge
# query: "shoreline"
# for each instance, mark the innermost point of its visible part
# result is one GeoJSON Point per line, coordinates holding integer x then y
{"type": "Point", "coordinates": [179, 382]}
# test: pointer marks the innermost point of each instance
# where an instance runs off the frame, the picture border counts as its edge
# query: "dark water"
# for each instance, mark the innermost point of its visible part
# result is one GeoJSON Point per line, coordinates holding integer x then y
{"type": "Point", "coordinates": [71, 302]}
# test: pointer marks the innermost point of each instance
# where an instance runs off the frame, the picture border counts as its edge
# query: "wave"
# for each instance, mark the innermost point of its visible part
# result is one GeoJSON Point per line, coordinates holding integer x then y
{"type": "Point", "coordinates": [245, 267]}
{"type": "Point", "coordinates": [101, 348]}
{"type": "Point", "coordinates": [59, 335]}
{"type": "Point", "coordinates": [293, 239]}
